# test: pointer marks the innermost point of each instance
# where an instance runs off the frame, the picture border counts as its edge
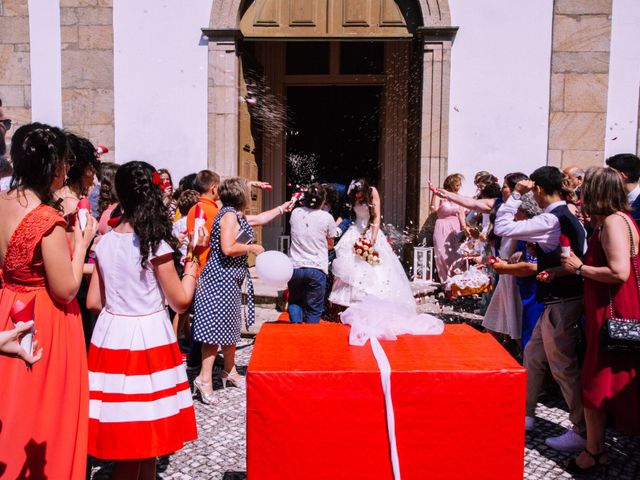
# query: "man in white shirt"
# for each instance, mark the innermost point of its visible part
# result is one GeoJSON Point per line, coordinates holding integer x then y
{"type": "Point", "coordinates": [312, 232]}
{"type": "Point", "coordinates": [554, 339]}
{"type": "Point", "coordinates": [628, 165]}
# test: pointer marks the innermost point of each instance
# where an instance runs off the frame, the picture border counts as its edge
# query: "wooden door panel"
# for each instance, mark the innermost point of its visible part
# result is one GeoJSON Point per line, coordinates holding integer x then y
{"type": "Point", "coordinates": [323, 18]}
{"type": "Point", "coordinates": [356, 13]}
{"type": "Point", "coordinates": [390, 14]}
{"type": "Point", "coordinates": [268, 14]}
{"type": "Point", "coordinates": [304, 13]}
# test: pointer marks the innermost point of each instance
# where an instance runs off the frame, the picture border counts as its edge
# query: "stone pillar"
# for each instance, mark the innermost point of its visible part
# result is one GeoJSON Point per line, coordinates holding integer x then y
{"type": "Point", "coordinates": [87, 70]}
{"type": "Point", "coordinates": [223, 103]}
{"type": "Point", "coordinates": [579, 81]}
{"type": "Point", "coordinates": [15, 79]}
{"type": "Point", "coordinates": [434, 148]}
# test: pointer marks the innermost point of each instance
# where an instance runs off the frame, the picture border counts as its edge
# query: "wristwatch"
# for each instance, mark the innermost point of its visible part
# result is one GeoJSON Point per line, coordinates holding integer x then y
{"type": "Point", "coordinates": [579, 269]}
{"type": "Point", "coordinates": [516, 195]}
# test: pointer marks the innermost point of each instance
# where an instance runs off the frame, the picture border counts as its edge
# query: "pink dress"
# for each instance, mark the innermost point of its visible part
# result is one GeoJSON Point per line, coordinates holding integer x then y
{"type": "Point", "coordinates": [445, 233]}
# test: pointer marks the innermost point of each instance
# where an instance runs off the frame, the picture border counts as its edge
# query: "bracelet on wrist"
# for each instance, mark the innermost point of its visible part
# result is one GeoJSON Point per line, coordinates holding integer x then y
{"type": "Point", "coordinates": [281, 210]}
{"type": "Point", "coordinates": [190, 257]}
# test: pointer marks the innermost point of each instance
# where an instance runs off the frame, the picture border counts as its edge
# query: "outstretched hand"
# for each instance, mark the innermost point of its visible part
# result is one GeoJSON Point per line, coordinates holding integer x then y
{"type": "Point", "coordinates": [260, 185]}
{"type": "Point", "coordinates": [436, 191]}
{"type": "Point", "coordinates": [10, 343]}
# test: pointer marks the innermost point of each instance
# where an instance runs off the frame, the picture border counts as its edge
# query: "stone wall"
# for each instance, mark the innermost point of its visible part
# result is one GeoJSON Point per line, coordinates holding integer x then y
{"type": "Point", "coordinates": [15, 79]}
{"type": "Point", "coordinates": [87, 69]}
{"type": "Point", "coordinates": [579, 81]}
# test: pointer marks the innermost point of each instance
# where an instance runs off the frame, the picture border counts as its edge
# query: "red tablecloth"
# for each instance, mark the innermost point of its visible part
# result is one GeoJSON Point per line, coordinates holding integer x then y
{"type": "Point", "coordinates": [315, 407]}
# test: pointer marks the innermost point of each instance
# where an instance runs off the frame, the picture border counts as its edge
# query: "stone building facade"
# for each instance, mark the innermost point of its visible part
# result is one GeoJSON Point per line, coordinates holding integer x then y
{"type": "Point", "coordinates": [456, 86]}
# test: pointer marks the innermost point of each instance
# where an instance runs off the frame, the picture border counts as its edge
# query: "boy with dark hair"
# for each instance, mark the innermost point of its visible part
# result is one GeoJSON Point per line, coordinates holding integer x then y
{"type": "Point", "coordinates": [628, 165]}
{"type": "Point", "coordinates": [554, 339]}
{"type": "Point", "coordinates": [206, 184]}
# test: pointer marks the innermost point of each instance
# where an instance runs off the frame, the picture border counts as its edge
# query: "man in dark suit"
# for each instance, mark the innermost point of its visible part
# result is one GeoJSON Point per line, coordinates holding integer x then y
{"type": "Point", "coordinates": [628, 165]}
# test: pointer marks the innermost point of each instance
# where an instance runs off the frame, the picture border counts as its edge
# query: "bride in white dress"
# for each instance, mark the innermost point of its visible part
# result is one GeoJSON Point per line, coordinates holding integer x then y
{"type": "Point", "coordinates": [355, 278]}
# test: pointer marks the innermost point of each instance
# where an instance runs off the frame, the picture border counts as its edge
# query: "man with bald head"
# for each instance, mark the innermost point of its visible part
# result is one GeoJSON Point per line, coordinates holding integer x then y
{"type": "Point", "coordinates": [575, 174]}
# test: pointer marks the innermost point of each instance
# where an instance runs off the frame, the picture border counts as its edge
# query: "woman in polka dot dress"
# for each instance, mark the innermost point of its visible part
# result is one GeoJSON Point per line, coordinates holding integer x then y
{"type": "Point", "coordinates": [218, 301]}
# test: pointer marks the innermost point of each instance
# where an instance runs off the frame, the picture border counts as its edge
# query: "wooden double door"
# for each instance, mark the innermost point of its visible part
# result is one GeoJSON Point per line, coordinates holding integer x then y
{"type": "Point", "coordinates": [326, 111]}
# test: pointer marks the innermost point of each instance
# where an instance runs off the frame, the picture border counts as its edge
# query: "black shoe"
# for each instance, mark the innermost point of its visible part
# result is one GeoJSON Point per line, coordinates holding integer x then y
{"type": "Point", "coordinates": [573, 467]}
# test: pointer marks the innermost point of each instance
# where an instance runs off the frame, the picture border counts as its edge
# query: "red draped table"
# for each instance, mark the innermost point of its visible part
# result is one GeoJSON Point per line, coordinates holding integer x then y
{"type": "Point", "coordinates": [315, 406]}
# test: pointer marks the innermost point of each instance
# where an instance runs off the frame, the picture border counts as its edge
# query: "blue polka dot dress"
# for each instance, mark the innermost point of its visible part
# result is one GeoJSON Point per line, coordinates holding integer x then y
{"type": "Point", "coordinates": [218, 303]}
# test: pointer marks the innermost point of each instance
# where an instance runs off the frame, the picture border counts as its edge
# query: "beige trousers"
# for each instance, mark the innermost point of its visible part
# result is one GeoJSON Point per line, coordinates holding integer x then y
{"type": "Point", "coordinates": [553, 346]}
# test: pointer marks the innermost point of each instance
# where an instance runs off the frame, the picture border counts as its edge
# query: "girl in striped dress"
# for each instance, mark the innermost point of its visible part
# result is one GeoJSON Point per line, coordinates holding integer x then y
{"type": "Point", "coordinates": [140, 404]}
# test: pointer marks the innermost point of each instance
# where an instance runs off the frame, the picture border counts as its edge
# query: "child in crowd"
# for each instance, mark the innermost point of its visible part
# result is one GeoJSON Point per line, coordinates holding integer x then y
{"type": "Point", "coordinates": [140, 403]}
{"type": "Point", "coordinates": [186, 200]}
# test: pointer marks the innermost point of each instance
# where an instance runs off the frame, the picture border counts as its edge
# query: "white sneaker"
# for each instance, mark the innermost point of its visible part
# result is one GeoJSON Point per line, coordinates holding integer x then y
{"type": "Point", "coordinates": [569, 441]}
{"type": "Point", "coordinates": [529, 423]}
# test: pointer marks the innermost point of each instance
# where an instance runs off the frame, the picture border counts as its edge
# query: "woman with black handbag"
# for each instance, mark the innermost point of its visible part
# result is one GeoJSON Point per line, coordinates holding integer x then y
{"type": "Point", "coordinates": [611, 370]}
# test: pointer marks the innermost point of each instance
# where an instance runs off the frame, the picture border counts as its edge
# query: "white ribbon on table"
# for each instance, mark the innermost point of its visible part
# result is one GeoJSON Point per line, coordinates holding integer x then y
{"type": "Point", "coordinates": [375, 319]}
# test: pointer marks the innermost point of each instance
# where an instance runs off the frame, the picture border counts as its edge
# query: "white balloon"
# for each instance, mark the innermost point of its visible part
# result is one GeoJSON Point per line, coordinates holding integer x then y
{"type": "Point", "coordinates": [274, 268]}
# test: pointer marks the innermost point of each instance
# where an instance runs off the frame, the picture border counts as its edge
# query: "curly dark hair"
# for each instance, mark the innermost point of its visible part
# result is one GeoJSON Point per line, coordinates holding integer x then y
{"type": "Point", "coordinates": [38, 151]}
{"type": "Point", "coordinates": [314, 196]}
{"type": "Point", "coordinates": [492, 190]}
{"type": "Point", "coordinates": [84, 153]}
{"type": "Point", "coordinates": [108, 193]}
{"type": "Point", "coordinates": [142, 207]}
{"type": "Point", "coordinates": [357, 186]}
{"type": "Point", "coordinates": [188, 199]}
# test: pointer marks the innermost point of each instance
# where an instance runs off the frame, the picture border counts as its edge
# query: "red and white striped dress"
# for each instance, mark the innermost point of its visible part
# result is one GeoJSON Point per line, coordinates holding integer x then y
{"type": "Point", "coordinates": [140, 404]}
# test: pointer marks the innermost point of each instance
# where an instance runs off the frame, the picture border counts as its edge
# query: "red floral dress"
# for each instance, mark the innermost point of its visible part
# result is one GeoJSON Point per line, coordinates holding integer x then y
{"type": "Point", "coordinates": [43, 409]}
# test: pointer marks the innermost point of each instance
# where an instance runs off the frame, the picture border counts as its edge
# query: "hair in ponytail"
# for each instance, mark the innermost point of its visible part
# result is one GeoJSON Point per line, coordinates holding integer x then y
{"type": "Point", "coordinates": [142, 206]}
{"type": "Point", "coordinates": [38, 152]}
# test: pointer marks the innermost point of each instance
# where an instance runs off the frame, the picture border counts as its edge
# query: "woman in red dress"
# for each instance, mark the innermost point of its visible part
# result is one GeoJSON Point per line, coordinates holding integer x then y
{"type": "Point", "coordinates": [610, 380]}
{"type": "Point", "coordinates": [44, 408]}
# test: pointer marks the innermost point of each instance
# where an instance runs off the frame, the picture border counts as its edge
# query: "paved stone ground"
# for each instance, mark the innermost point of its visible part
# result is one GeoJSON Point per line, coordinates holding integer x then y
{"type": "Point", "coordinates": [219, 452]}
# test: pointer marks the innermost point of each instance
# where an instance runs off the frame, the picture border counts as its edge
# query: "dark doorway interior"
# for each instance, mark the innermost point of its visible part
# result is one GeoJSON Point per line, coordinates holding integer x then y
{"type": "Point", "coordinates": [333, 134]}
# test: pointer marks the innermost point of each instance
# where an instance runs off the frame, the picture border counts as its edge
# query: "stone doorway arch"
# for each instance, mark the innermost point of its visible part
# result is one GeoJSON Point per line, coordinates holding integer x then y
{"type": "Point", "coordinates": [428, 149]}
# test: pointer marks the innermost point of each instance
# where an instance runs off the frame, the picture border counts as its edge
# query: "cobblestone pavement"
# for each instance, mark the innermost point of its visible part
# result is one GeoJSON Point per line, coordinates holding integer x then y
{"type": "Point", "coordinates": [219, 452]}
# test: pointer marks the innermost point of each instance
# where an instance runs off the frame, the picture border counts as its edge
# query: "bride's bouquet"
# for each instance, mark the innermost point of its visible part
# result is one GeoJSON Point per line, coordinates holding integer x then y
{"type": "Point", "coordinates": [363, 248]}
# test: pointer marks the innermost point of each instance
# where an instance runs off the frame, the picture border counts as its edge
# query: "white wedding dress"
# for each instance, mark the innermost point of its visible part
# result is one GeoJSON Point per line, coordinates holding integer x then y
{"type": "Point", "coordinates": [355, 278]}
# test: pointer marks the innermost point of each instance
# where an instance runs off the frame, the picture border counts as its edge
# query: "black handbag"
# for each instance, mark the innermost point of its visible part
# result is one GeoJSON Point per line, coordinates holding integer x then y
{"type": "Point", "coordinates": [623, 334]}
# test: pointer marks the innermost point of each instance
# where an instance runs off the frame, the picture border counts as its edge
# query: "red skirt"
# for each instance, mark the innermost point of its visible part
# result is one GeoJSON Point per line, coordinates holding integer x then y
{"type": "Point", "coordinates": [43, 409]}
{"type": "Point", "coordinates": [140, 402]}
